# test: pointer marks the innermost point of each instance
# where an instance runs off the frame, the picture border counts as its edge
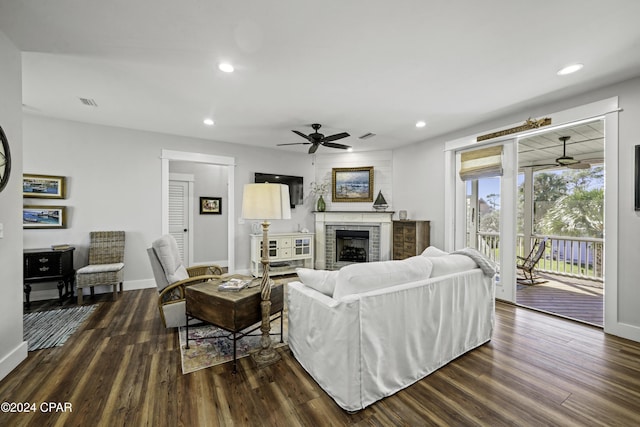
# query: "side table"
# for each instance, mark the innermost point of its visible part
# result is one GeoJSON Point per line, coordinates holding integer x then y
{"type": "Point", "coordinates": [48, 265]}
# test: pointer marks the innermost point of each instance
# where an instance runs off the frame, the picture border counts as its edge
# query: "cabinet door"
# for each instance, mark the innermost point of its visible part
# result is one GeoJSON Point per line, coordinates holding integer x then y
{"type": "Point", "coordinates": [302, 247]}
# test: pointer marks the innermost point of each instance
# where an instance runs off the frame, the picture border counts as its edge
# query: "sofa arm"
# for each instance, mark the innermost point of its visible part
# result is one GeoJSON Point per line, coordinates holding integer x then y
{"type": "Point", "coordinates": [324, 336]}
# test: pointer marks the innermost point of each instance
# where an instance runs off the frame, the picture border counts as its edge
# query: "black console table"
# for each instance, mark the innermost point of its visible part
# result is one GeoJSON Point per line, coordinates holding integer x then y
{"type": "Point", "coordinates": [48, 265]}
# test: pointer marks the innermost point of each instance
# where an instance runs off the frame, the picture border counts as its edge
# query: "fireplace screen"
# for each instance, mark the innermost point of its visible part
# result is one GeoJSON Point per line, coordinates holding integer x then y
{"type": "Point", "coordinates": [352, 245]}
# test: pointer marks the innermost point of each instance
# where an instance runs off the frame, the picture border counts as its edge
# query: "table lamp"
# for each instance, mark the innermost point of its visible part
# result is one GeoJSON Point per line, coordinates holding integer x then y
{"type": "Point", "coordinates": [264, 202]}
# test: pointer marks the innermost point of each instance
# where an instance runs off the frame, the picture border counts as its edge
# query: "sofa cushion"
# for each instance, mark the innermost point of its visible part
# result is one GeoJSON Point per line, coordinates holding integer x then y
{"type": "Point", "coordinates": [364, 277]}
{"type": "Point", "coordinates": [323, 281]}
{"type": "Point", "coordinates": [168, 254]}
{"type": "Point", "coordinates": [449, 264]}
{"type": "Point", "coordinates": [432, 251]}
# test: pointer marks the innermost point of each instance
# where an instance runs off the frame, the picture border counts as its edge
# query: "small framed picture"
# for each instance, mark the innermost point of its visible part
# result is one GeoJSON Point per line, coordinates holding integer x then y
{"type": "Point", "coordinates": [44, 217]}
{"type": "Point", "coordinates": [211, 205]}
{"type": "Point", "coordinates": [352, 184]}
{"type": "Point", "coordinates": [43, 186]}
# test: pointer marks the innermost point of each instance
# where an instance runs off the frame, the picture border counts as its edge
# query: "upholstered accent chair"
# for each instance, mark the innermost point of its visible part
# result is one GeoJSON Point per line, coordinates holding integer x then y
{"type": "Point", "coordinates": [172, 277]}
{"type": "Point", "coordinates": [106, 263]}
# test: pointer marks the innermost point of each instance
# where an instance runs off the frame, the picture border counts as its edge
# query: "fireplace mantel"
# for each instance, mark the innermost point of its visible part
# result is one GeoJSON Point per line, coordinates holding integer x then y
{"type": "Point", "coordinates": [381, 219]}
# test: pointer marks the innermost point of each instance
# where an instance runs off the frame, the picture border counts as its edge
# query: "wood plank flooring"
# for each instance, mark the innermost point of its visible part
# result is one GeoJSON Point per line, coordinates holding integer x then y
{"type": "Point", "coordinates": [578, 299]}
{"type": "Point", "coordinates": [123, 368]}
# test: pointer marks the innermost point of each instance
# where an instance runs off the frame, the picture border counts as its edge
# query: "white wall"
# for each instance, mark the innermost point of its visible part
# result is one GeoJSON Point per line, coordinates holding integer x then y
{"type": "Point", "coordinates": [425, 160]}
{"type": "Point", "coordinates": [12, 348]}
{"type": "Point", "coordinates": [114, 182]}
{"type": "Point", "coordinates": [418, 186]}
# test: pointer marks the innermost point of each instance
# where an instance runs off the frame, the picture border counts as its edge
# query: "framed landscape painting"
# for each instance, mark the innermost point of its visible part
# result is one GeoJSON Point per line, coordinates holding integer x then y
{"type": "Point", "coordinates": [43, 186]}
{"type": "Point", "coordinates": [44, 217]}
{"type": "Point", "coordinates": [352, 184]}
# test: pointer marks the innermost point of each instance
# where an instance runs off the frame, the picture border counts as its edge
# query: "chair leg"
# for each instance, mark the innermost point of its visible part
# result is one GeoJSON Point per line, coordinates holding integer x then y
{"type": "Point", "coordinates": [79, 296]}
{"type": "Point", "coordinates": [115, 291]}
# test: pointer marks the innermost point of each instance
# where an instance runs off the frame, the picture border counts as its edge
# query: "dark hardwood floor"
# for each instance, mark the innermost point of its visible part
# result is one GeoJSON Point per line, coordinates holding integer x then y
{"type": "Point", "coordinates": [123, 368]}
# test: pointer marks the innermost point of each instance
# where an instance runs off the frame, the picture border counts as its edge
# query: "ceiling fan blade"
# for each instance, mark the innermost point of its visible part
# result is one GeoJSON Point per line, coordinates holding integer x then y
{"type": "Point", "coordinates": [301, 134]}
{"type": "Point", "coordinates": [579, 165]}
{"type": "Point", "coordinates": [336, 136]}
{"type": "Point", "coordinates": [335, 145]}
{"type": "Point", "coordinates": [313, 148]}
{"type": "Point", "coordinates": [295, 143]}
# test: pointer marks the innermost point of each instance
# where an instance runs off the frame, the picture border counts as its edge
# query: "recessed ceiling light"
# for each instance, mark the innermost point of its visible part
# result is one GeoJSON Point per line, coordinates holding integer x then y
{"type": "Point", "coordinates": [208, 122]}
{"type": "Point", "coordinates": [570, 69]}
{"type": "Point", "coordinates": [350, 149]}
{"type": "Point", "coordinates": [226, 67]}
{"type": "Point", "coordinates": [421, 124]}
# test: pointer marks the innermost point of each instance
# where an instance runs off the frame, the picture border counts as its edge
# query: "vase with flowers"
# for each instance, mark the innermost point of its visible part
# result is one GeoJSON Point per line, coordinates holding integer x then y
{"type": "Point", "coordinates": [320, 189]}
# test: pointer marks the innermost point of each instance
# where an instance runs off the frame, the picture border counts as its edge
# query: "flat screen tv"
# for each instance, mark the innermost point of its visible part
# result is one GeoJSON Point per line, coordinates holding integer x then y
{"type": "Point", "coordinates": [294, 182]}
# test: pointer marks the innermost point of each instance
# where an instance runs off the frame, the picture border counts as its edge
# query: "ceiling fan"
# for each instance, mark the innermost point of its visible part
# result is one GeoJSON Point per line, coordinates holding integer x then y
{"type": "Point", "coordinates": [568, 161]}
{"type": "Point", "coordinates": [317, 139]}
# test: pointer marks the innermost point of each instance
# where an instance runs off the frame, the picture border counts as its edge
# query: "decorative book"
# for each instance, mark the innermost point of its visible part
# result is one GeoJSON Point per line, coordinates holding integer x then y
{"type": "Point", "coordinates": [234, 285]}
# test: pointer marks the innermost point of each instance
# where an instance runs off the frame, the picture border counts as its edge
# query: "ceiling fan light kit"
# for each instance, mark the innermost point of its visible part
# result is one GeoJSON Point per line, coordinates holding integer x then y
{"type": "Point", "coordinates": [316, 139]}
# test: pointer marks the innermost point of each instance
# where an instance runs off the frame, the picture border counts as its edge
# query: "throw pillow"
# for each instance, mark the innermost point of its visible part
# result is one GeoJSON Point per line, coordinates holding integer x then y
{"type": "Point", "coordinates": [369, 276]}
{"type": "Point", "coordinates": [432, 251]}
{"type": "Point", "coordinates": [323, 281]}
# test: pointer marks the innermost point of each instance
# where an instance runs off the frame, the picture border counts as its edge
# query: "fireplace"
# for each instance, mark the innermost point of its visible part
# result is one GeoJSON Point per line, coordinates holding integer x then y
{"type": "Point", "coordinates": [352, 245]}
{"type": "Point", "coordinates": [331, 226]}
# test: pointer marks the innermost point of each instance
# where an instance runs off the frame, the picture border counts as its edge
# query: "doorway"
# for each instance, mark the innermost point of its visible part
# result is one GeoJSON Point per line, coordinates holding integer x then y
{"type": "Point", "coordinates": [455, 198]}
{"type": "Point", "coordinates": [228, 164]}
{"type": "Point", "coordinates": [561, 203]}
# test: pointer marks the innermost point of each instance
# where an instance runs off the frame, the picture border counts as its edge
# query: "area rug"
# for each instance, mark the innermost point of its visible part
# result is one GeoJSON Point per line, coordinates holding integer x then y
{"type": "Point", "coordinates": [46, 329]}
{"type": "Point", "coordinates": [205, 352]}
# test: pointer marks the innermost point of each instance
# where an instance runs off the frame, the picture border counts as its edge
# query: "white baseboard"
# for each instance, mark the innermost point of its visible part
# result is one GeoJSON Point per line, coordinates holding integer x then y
{"type": "Point", "coordinates": [129, 285]}
{"type": "Point", "coordinates": [221, 263]}
{"type": "Point", "coordinates": [13, 359]}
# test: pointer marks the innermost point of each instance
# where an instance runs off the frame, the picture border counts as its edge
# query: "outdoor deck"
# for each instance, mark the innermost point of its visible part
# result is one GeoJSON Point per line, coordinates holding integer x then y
{"type": "Point", "coordinates": [573, 298]}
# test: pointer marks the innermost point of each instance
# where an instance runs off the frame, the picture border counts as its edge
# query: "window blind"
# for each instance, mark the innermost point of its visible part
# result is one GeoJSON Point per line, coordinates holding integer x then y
{"type": "Point", "coordinates": [481, 163]}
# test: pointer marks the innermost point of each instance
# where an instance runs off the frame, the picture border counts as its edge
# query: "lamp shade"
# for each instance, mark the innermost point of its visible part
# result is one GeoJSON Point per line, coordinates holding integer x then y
{"type": "Point", "coordinates": [266, 201]}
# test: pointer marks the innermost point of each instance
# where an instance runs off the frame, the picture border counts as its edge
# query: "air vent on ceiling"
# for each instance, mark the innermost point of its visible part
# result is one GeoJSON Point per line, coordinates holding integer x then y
{"type": "Point", "coordinates": [367, 135]}
{"type": "Point", "coordinates": [88, 102]}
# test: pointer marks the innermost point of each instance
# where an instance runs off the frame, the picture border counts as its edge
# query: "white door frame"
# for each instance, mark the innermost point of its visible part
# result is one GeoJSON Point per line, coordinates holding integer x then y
{"type": "Point", "coordinates": [607, 110]}
{"type": "Point", "coordinates": [168, 155]}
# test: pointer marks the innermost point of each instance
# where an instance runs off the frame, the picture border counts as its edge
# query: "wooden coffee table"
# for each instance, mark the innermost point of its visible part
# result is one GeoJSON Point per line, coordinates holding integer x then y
{"type": "Point", "coordinates": [231, 311]}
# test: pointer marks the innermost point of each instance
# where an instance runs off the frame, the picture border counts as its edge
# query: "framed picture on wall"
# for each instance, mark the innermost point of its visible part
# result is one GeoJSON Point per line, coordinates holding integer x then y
{"type": "Point", "coordinates": [44, 216]}
{"type": "Point", "coordinates": [43, 186]}
{"type": "Point", "coordinates": [352, 184]}
{"type": "Point", "coordinates": [211, 205]}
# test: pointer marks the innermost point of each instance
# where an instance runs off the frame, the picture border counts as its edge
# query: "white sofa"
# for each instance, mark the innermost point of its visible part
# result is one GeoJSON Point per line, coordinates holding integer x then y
{"type": "Point", "coordinates": [370, 330]}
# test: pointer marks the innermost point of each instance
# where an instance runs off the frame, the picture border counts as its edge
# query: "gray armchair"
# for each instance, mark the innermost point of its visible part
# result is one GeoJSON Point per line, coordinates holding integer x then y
{"type": "Point", "coordinates": [106, 263]}
{"type": "Point", "coordinates": [172, 277]}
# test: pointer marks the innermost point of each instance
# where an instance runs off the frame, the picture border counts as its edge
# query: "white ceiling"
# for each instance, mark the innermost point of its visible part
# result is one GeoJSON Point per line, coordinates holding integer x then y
{"type": "Point", "coordinates": [352, 65]}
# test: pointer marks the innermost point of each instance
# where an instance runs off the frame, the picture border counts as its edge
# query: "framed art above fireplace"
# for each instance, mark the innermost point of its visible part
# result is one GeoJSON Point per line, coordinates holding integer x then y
{"type": "Point", "coordinates": [352, 184]}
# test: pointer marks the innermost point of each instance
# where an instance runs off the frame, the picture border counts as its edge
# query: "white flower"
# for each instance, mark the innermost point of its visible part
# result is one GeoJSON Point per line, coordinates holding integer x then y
{"type": "Point", "coordinates": [319, 189]}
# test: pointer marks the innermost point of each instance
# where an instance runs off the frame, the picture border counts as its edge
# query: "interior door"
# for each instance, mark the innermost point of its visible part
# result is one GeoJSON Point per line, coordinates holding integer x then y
{"type": "Point", "coordinates": [179, 216]}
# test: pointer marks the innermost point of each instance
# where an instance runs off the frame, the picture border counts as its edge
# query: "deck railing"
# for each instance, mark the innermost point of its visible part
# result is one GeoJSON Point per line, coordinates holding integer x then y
{"type": "Point", "coordinates": [580, 257]}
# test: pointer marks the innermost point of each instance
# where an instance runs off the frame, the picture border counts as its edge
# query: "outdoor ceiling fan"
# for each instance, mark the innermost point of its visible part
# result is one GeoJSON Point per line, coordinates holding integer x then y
{"type": "Point", "coordinates": [317, 139]}
{"type": "Point", "coordinates": [567, 161]}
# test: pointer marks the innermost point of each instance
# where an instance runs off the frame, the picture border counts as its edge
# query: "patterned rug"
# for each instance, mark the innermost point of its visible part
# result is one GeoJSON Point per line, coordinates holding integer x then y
{"type": "Point", "coordinates": [205, 352]}
{"type": "Point", "coordinates": [46, 329]}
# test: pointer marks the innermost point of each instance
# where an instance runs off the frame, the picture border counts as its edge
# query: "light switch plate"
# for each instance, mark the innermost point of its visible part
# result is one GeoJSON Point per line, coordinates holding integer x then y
{"type": "Point", "coordinates": [1, 231]}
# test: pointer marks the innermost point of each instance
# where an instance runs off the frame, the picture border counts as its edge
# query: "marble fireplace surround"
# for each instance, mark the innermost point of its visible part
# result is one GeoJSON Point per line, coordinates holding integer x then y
{"type": "Point", "coordinates": [355, 220]}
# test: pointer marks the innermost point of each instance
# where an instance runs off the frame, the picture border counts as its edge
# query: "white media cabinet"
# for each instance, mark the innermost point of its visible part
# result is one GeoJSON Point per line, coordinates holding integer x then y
{"type": "Point", "coordinates": [286, 252]}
